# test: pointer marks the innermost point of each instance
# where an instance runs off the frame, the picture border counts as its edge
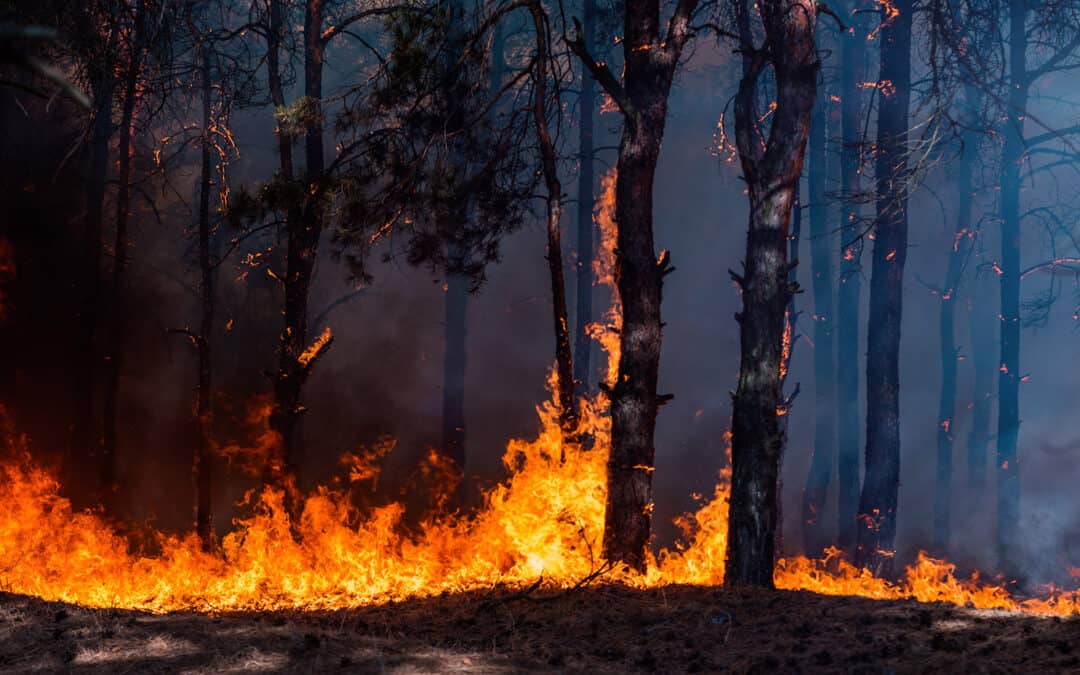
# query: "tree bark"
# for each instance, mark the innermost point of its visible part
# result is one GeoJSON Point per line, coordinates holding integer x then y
{"type": "Point", "coordinates": [821, 462]}
{"type": "Point", "coordinates": [849, 291]}
{"type": "Point", "coordinates": [564, 365]}
{"type": "Point", "coordinates": [982, 320]}
{"type": "Point", "coordinates": [115, 352]}
{"type": "Point", "coordinates": [959, 253]}
{"type": "Point", "coordinates": [1012, 158]}
{"type": "Point", "coordinates": [304, 230]}
{"type": "Point", "coordinates": [454, 367]}
{"type": "Point", "coordinates": [642, 96]}
{"type": "Point", "coordinates": [877, 504]}
{"type": "Point", "coordinates": [85, 440]}
{"type": "Point", "coordinates": [202, 468]}
{"type": "Point", "coordinates": [772, 170]}
{"type": "Point", "coordinates": [586, 200]}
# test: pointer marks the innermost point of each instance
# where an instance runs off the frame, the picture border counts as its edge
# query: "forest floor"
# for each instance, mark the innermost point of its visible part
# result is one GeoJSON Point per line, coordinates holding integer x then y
{"type": "Point", "coordinates": [604, 629]}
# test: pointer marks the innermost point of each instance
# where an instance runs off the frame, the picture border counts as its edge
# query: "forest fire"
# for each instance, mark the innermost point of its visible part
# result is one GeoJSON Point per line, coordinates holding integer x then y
{"type": "Point", "coordinates": [541, 525]}
{"type": "Point", "coordinates": [282, 284]}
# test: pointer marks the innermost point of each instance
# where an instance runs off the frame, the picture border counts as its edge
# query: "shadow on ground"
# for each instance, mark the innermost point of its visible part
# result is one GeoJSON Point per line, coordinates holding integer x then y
{"type": "Point", "coordinates": [606, 629]}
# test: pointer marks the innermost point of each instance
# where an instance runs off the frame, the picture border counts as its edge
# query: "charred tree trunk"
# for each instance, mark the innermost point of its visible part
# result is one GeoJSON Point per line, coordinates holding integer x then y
{"type": "Point", "coordinates": [982, 320]}
{"type": "Point", "coordinates": [1012, 158]}
{"type": "Point", "coordinates": [821, 462]}
{"type": "Point", "coordinates": [454, 362]}
{"type": "Point", "coordinates": [772, 170]}
{"type": "Point", "coordinates": [85, 441]}
{"type": "Point", "coordinates": [115, 351]}
{"type": "Point", "coordinates": [296, 358]}
{"type": "Point", "coordinates": [958, 255]}
{"type": "Point", "coordinates": [564, 366]}
{"type": "Point", "coordinates": [586, 200]}
{"type": "Point", "coordinates": [650, 61]}
{"type": "Point", "coordinates": [202, 468]}
{"type": "Point", "coordinates": [849, 291]}
{"type": "Point", "coordinates": [877, 504]}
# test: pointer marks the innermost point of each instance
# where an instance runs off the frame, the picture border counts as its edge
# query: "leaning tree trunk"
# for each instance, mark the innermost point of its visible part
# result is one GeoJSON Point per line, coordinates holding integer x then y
{"type": "Point", "coordinates": [1012, 157]}
{"type": "Point", "coordinates": [118, 327]}
{"type": "Point", "coordinates": [852, 55]}
{"type": "Point", "coordinates": [296, 358]}
{"type": "Point", "coordinates": [772, 170]}
{"type": "Point", "coordinates": [821, 461]}
{"type": "Point", "coordinates": [650, 61]}
{"type": "Point", "coordinates": [877, 504]}
{"type": "Point", "coordinates": [564, 366]}
{"type": "Point", "coordinates": [201, 467]}
{"type": "Point", "coordinates": [585, 226]}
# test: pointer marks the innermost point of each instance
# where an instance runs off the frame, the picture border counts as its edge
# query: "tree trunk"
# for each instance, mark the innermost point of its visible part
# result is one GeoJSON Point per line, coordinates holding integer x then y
{"type": "Point", "coordinates": [1012, 158]}
{"type": "Point", "coordinates": [115, 352]}
{"type": "Point", "coordinates": [564, 366]}
{"type": "Point", "coordinates": [204, 524]}
{"type": "Point", "coordinates": [772, 173]}
{"type": "Point", "coordinates": [642, 96]}
{"type": "Point", "coordinates": [958, 254]}
{"type": "Point", "coordinates": [85, 441]}
{"type": "Point", "coordinates": [982, 322]}
{"type": "Point", "coordinates": [304, 230]}
{"type": "Point", "coordinates": [877, 505]}
{"type": "Point", "coordinates": [453, 413]}
{"type": "Point", "coordinates": [852, 55]}
{"type": "Point", "coordinates": [585, 226]}
{"type": "Point", "coordinates": [821, 462]}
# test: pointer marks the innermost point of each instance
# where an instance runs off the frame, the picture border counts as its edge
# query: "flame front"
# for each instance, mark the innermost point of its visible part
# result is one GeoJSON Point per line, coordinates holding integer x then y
{"type": "Point", "coordinates": [544, 521]}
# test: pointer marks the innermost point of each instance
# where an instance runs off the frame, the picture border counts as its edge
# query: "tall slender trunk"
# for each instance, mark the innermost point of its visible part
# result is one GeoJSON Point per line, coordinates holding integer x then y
{"type": "Point", "coordinates": [947, 338]}
{"type": "Point", "coordinates": [304, 230]}
{"type": "Point", "coordinates": [586, 200]}
{"type": "Point", "coordinates": [821, 462]}
{"type": "Point", "coordinates": [85, 441]}
{"type": "Point", "coordinates": [982, 320]}
{"type": "Point", "coordinates": [1012, 157]}
{"type": "Point", "coordinates": [202, 468]}
{"type": "Point", "coordinates": [877, 504]}
{"type": "Point", "coordinates": [849, 291]}
{"type": "Point", "coordinates": [454, 362]}
{"type": "Point", "coordinates": [959, 252]}
{"type": "Point", "coordinates": [772, 170]}
{"type": "Point", "coordinates": [115, 350]}
{"type": "Point", "coordinates": [564, 366]}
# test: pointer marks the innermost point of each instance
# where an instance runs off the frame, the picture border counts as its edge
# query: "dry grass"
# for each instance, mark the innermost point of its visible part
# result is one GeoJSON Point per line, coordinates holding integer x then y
{"type": "Point", "coordinates": [607, 629]}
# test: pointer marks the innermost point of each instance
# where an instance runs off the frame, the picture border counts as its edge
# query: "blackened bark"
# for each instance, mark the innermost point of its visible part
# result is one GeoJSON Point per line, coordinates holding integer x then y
{"type": "Point", "coordinates": [585, 226]}
{"type": "Point", "coordinates": [85, 439]}
{"type": "Point", "coordinates": [454, 366]}
{"type": "Point", "coordinates": [959, 252]}
{"type": "Point", "coordinates": [201, 467]}
{"type": "Point", "coordinates": [649, 67]}
{"type": "Point", "coordinates": [877, 504]}
{"type": "Point", "coordinates": [821, 264]}
{"type": "Point", "coordinates": [114, 361]}
{"type": "Point", "coordinates": [564, 366]}
{"type": "Point", "coordinates": [1012, 158]}
{"type": "Point", "coordinates": [852, 55]}
{"type": "Point", "coordinates": [772, 170]}
{"type": "Point", "coordinates": [984, 327]}
{"type": "Point", "coordinates": [304, 231]}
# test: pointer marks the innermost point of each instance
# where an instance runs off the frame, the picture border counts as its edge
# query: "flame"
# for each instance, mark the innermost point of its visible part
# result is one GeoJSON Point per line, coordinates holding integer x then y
{"type": "Point", "coordinates": [607, 332]}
